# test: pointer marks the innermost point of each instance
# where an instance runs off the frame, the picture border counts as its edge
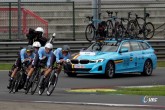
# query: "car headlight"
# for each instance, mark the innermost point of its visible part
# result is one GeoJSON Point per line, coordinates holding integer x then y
{"type": "Point", "coordinates": [98, 60]}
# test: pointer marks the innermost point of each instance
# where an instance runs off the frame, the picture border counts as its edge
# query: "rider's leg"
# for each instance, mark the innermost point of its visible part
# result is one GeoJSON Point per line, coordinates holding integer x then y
{"type": "Point", "coordinates": [17, 66]}
{"type": "Point", "coordinates": [59, 68]}
{"type": "Point", "coordinates": [50, 64]}
{"type": "Point", "coordinates": [28, 76]}
{"type": "Point", "coordinates": [34, 65]}
{"type": "Point", "coordinates": [12, 77]}
{"type": "Point", "coordinates": [31, 70]}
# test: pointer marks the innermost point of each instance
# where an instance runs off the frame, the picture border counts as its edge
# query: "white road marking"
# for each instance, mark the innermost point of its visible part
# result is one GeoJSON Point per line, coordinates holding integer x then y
{"type": "Point", "coordinates": [101, 104]}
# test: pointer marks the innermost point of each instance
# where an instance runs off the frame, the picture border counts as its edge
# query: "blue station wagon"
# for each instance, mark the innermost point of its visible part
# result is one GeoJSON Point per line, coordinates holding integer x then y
{"type": "Point", "coordinates": [110, 57]}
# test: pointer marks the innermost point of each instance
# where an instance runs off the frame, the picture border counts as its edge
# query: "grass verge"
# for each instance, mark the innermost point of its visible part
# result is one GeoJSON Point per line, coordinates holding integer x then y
{"type": "Point", "coordinates": [150, 91]}
{"type": "Point", "coordinates": [161, 64]}
{"type": "Point", "coordinates": [5, 66]}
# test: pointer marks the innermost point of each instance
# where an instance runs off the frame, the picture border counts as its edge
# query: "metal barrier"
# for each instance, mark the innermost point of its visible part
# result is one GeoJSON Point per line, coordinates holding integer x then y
{"type": "Point", "coordinates": [9, 50]}
{"type": "Point", "coordinates": [60, 17]}
{"type": "Point", "coordinates": [9, 21]}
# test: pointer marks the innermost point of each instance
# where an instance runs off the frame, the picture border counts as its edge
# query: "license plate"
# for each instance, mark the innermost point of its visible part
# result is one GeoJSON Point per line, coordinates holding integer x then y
{"type": "Point", "coordinates": [78, 66]}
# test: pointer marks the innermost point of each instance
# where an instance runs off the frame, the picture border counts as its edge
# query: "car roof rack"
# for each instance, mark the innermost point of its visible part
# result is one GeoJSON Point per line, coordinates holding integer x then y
{"type": "Point", "coordinates": [118, 40]}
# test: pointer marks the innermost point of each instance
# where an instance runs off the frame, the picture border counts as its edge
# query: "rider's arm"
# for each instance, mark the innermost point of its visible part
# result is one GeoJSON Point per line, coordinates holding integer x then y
{"type": "Point", "coordinates": [40, 53]}
{"type": "Point", "coordinates": [57, 54]}
{"type": "Point", "coordinates": [67, 57]}
{"type": "Point", "coordinates": [22, 52]}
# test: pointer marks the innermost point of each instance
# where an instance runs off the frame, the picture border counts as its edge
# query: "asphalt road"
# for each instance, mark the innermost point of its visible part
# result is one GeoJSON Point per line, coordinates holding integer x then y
{"type": "Point", "coordinates": [90, 81]}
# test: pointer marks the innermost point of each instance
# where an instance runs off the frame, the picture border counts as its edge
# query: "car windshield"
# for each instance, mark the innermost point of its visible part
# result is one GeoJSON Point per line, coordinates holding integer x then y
{"type": "Point", "coordinates": [103, 46]}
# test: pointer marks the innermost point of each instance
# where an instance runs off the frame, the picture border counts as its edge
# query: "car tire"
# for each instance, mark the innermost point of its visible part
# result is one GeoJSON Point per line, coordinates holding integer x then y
{"type": "Point", "coordinates": [71, 74]}
{"type": "Point", "coordinates": [110, 70]}
{"type": "Point", "coordinates": [148, 68]}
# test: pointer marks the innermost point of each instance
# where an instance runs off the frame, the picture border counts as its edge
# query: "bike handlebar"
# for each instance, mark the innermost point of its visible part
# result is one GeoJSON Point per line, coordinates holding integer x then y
{"type": "Point", "coordinates": [146, 15]}
{"type": "Point", "coordinates": [109, 12]}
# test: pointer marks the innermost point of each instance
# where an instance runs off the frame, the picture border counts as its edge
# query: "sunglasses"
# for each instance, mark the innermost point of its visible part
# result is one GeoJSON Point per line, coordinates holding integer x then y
{"type": "Point", "coordinates": [65, 51]}
{"type": "Point", "coordinates": [28, 51]}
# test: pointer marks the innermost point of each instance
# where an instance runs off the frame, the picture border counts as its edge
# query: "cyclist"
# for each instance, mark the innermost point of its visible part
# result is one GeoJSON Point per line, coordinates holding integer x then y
{"type": "Point", "coordinates": [62, 54]}
{"type": "Point", "coordinates": [36, 46]}
{"type": "Point", "coordinates": [25, 56]}
{"type": "Point", "coordinates": [46, 53]}
{"type": "Point", "coordinates": [36, 35]}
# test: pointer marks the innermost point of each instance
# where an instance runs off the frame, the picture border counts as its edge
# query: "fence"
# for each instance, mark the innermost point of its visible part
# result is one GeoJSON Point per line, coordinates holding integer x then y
{"type": "Point", "coordinates": [59, 17]}
{"type": "Point", "coordinates": [9, 22]}
{"type": "Point", "coordinates": [9, 50]}
{"type": "Point", "coordinates": [32, 20]}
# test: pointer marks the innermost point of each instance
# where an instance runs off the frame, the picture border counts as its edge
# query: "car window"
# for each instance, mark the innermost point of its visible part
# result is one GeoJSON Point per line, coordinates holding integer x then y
{"type": "Point", "coordinates": [144, 45]}
{"type": "Point", "coordinates": [104, 47]}
{"type": "Point", "coordinates": [135, 46]}
{"type": "Point", "coordinates": [126, 45]}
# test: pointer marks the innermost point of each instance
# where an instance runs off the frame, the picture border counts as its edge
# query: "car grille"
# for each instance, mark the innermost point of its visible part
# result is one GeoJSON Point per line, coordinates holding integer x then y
{"type": "Point", "coordinates": [76, 61]}
{"type": "Point", "coordinates": [82, 69]}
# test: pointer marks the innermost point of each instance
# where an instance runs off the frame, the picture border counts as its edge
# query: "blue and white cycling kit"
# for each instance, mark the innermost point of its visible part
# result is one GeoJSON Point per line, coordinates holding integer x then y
{"type": "Point", "coordinates": [50, 56]}
{"type": "Point", "coordinates": [59, 55]}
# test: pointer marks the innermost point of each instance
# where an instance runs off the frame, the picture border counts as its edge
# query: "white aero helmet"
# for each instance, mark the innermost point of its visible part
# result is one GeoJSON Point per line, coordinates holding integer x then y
{"type": "Point", "coordinates": [49, 46]}
{"type": "Point", "coordinates": [36, 44]}
{"type": "Point", "coordinates": [39, 29]}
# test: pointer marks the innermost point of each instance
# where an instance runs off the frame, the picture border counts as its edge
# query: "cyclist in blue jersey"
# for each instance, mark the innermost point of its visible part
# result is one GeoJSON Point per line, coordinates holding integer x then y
{"type": "Point", "coordinates": [46, 53]}
{"type": "Point", "coordinates": [62, 54]}
{"type": "Point", "coordinates": [36, 45]}
{"type": "Point", "coordinates": [25, 56]}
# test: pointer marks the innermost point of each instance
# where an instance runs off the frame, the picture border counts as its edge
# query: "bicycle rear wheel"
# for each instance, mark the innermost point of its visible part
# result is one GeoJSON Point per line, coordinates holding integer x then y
{"type": "Point", "coordinates": [109, 28]}
{"type": "Point", "coordinates": [12, 86]}
{"type": "Point", "coordinates": [149, 30]}
{"type": "Point", "coordinates": [52, 83]}
{"type": "Point", "coordinates": [90, 32]}
{"type": "Point", "coordinates": [132, 29]}
{"type": "Point", "coordinates": [41, 84]}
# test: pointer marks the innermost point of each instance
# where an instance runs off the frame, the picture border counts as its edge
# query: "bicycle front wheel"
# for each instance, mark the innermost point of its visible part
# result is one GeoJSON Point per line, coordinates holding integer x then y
{"type": "Point", "coordinates": [17, 81]}
{"type": "Point", "coordinates": [90, 32]}
{"type": "Point", "coordinates": [52, 83]}
{"type": "Point", "coordinates": [149, 30]}
{"type": "Point", "coordinates": [119, 34]}
{"type": "Point", "coordinates": [41, 85]}
{"type": "Point", "coordinates": [35, 82]}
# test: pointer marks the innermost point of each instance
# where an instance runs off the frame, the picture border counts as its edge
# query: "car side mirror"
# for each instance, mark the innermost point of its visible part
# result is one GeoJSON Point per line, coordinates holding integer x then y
{"type": "Point", "coordinates": [123, 50]}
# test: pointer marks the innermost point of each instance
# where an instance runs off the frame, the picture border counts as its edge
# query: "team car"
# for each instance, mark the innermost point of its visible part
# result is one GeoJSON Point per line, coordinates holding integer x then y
{"type": "Point", "coordinates": [110, 57]}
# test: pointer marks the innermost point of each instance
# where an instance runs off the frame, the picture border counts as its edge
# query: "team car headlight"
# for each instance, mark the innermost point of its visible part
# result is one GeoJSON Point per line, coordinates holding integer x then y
{"type": "Point", "coordinates": [97, 61]}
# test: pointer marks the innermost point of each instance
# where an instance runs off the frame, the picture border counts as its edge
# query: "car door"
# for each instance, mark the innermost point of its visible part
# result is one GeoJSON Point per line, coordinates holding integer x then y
{"type": "Point", "coordinates": [135, 55]}
{"type": "Point", "coordinates": [124, 58]}
{"type": "Point", "coordinates": [145, 51]}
